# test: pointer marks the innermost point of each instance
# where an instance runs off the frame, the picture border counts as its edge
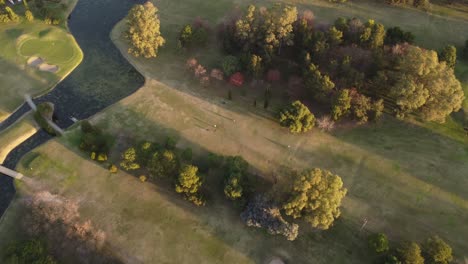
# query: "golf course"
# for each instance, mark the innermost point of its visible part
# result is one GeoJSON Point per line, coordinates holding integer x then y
{"type": "Point", "coordinates": [405, 178]}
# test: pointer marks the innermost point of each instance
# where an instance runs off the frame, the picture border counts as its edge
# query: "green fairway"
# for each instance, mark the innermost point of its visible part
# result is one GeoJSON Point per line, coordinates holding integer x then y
{"type": "Point", "coordinates": [16, 134]}
{"type": "Point", "coordinates": [20, 42]}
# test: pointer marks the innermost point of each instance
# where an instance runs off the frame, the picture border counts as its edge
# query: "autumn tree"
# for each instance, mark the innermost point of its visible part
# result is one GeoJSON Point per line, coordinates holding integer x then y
{"type": "Point", "coordinates": [255, 66]}
{"type": "Point", "coordinates": [449, 55]}
{"type": "Point", "coordinates": [163, 164]}
{"type": "Point", "coordinates": [318, 84]}
{"type": "Point", "coordinates": [410, 253]}
{"type": "Point", "coordinates": [297, 117]}
{"type": "Point", "coordinates": [144, 31]}
{"type": "Point", "coordinates": [129, 158]}
{"type": "Point", "coordinates": [316, 196]}
{"type": "Point", "coordinates": [334, 36]}
{"type": "Point", "coordinates": [437, 251]}
{"type": "Point", "coordinates": [373, 35]}
{"type": "Point", "coordinates": [341, 104]}
{"type": "Point", "coordinates": [189, 183]}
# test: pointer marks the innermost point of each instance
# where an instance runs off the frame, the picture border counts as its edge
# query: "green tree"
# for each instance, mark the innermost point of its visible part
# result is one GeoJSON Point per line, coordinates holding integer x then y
{"type": "Point", "coordinates": [236, 170]}
{"type": "Point", "coordinates": [449, 55]}
{"type": "Point", "coordinates": [437, 251]}
{"type": "Point", "coordinates": [163, 164]}
{"type": "Point", "coordinates": [378, 243]}
{"type": "Point", "coordinates": [341, 104]}
{"type": "Point", "coordinates": [373, 35]}
{"type": "Point", "coordinates": [230, 65]}
{"type": "Point", "coordinates": [189, 183]}
{"type": "Point", "coordinates": [396, 35]}
{"type": "Point", "coordinates": [316, 196]}
{"type": "Point", "coordinates": [410, 253]}
{"type": "Point", "coordinates": [424, 86]}
{"type": "Point", "coordinates": [144, 31]}
{"type": "Point", "coordinates": [29, 252]}
{"type": "Point", "coordinates": [185, 36]}
{"type": "Point", "coordinates": [129, 158]}
{"type": "Point", "coordinates": [319, 85]}
{"type": "Point", "coordinates": [297, 117]}
{"type": "Point", "coordinates": [361, 105]}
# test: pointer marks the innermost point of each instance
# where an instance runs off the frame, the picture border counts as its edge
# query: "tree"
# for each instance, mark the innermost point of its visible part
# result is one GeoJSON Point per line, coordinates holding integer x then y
{"type": "Point", "coordinates": [396, 35]}
{"type": "Point", "coordinates": [235, 175]}
{"type": "Point", "coordinates": [373, 35]}
{"type": "Point", "coordinates": [163, 164]}
{"type": "Point", "coordinates": [316, 196]}
{"type": "Point", "coordinates": [424, 4]}
{"type": "Point", "coordinates": [410, 253]}
{"type": "Point", "coordinates": [189, 183]}
{"type": "Point", "coordinates": [144, 31]}
{"type": "Point", "coordinates": [319, 85]}
{"type": "Point", "coordinates": [185, 36]}
{"type": "Point", "coordinates": [262, 213]}
{"type": "Point", "coordinates": [297, 117]}
{"type": "Point", "coordinates": [361, 105]}
{"type": "Point", "coordinates": [378, 243]}
{"type": "Point", "coordinates": [424, 86]}
{"type": "Point", "coordinates": [230, 65]}
{"type": "Point", "coordinates": [437, 251]}
{"type": "Point", "coordinates": [334, 36]}
{"type": "Point", "coordinates": [129, 160]}
{"type": "Point", "coordinates": [449, 55]}
{"type": "Point", "coordinates": [341, 104]}
{"type": "Point", "coordinates": [255, 66]}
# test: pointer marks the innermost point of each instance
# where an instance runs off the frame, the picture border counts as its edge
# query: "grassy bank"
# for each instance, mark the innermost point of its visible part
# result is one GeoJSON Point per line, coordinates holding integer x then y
{"type": "Point", "coordinates": [16, 134]}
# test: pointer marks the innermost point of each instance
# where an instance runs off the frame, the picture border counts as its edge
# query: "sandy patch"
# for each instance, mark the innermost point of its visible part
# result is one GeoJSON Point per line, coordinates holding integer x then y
{"type": "Point", "coordinates": [48, 67]}
{"type": "Point", "coordinates": [39, 63]}
{"type": "Point", "coordinates": [35, 61]}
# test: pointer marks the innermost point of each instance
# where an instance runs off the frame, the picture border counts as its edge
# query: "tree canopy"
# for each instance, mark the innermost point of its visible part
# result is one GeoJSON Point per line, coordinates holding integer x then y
{"type": "Point", "coordinates": [144, 31]}
{"type": "Point", "coordinates": [316, 196]}
{"type": "Point", "coordinates": [297, 117]}
{"type": "Point", "coordinates": [437, 251]}
{"type": "Point", "coordinates": [189, 183]}
{"type": "Point", "coordinates": [410, 253]}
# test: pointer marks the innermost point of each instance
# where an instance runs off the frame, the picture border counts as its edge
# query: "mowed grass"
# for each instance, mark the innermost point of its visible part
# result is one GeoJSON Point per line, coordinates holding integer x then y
{"type": "Point", "coordinates": [16, 134]}
{"type": "Point", "coordinates": [19, 42]}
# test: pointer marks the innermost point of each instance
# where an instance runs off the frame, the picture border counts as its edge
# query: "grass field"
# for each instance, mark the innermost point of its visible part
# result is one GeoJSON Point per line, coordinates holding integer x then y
{"type": "Point", "coordinates": [407, 179]}
{"type": "Point", "coordinates": [19, 42]}
{"type": "Point", "coordinates": [16, 134]}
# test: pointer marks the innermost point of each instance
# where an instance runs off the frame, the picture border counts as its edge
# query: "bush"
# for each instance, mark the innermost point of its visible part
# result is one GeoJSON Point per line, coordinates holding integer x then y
{"type": "Point", "coordinates": [235, 177]}
{"type": "Point", "coordinates": [44, 113]}
{"type": "Point", "coordinates": [142, 178]}
{"type": "Point", "coordinates": [230, 65]}
{"type": "Point", "coordinates": [325, 123]}
{"type": "Point", "coordinates": [263, 214]}
{"type": "Point", "coordinates": [449, 55]}
{"type": "Point", "coordinates": [396, 35]}
{"type": "Point", "coordinates": [424, 4]}
{"type": "Point", "coordinates": [341, 104]}
{"type": "Point", "coordinates": [410, 253]}
{"type": "Point", "coordinates": [113, 168]}
{"type": "Point", "coordinates": [187, 154]}
{"type": "Point", "coordinates": [29, 15]}
{"type": "Point", "coordinates": [93, 155]}
{"type": "Point", "coordinates": [170, 143]}
{"type": "Point", "coordinates": [189, 183]}
{"type": "Point", "coordinates": [102, 157]}
{"type": "Point", "coordinates": [297, 117]}
{"type": "Point", "coordinates": [378, 243]}
{"type": "Point", "coordinates": [129, 160]}
{"type": "Point", "coordinates": [92, 139]}
{"type": "Point", "coordinates": [163, 164]}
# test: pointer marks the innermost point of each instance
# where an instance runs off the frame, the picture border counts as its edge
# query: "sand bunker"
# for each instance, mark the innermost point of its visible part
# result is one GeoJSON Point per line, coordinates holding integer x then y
{"type": "Point", "coordinates": [41, 65]}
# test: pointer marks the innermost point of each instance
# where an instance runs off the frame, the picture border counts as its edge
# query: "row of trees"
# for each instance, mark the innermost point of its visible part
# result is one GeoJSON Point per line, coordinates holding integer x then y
{"type": "Point", "coordinates": [434, 250]}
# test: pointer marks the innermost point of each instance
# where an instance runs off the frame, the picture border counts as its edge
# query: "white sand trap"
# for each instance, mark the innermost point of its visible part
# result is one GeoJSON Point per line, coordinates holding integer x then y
{"type": "Point", "coordinates": [48, 67]}
{"type": "Point", "coordinates": [39, 63]}
{"type": "Point", "coordinates": [35, 61]}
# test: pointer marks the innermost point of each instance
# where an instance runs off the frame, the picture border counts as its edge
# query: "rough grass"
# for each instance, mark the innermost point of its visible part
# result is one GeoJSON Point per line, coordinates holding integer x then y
{"type": "Point", "coordinates": [18, 42]}
{"type": "Point", "coordinates": [16, 134]}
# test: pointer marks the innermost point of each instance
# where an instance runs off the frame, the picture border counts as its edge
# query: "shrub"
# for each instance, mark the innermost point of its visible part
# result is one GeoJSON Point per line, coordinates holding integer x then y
{"type": "Point", "coordinates": [341, 104]}
{"type": "Point", "coordinates": [11, 14]}
{"type": "Point", "coordinates": [28, 15]}
{"type": "Point", "coordinates": [437, 251]}
{"type": "Point", "coordinates": [230, 65]}
{"type": "Point", "coordinates": [93, 155]}
{"type": "Point", "coordinates": [424, 4]}
{"type": "Point", "coordinates": [92, 139]}
{"type": "Point", "coordinates": [325, 123]}
{"type": "Point", "coordinates": [191, 64]}
{"type": "Point", "coordinates": [129, 160]}
{"type": "Point", "coordinates": [163, 164]}
{"type": "Point", "coordinates": [142, 178]}
{"type": "Point", "coordinates": [396, 35]}
{"type": "Point", "coordinates": [264, 214]}
{"type": "Point", "coordinates": [449, 55]}
{"type": "Point", "coordinates": [113, 168]}
{"type": "Point", "coordinates": [378, 243]}
{"type": "Point", "coordinates": [235, 177]}
{"type": "Point", "coordinates": [297, 117]}
{"type": "Point", "coordinates": [48, 21]}
{"type": "Point", "coordinates": [44, 113]}
{"type": "Point", "coordinates": [189, 183]}
{"type": "Point", "coordinates": [102, 157]}
{"type": "Point", "coordinates": [170, 143]}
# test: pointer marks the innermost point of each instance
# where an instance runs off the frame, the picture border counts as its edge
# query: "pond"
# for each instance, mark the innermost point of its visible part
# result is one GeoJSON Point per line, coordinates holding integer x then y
{"type": "Point", "coordinates": [103, 78]}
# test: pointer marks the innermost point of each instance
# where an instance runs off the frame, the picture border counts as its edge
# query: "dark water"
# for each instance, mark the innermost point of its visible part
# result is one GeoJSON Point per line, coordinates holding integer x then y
{"type": "Point", "coordinates": [103, 78]}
